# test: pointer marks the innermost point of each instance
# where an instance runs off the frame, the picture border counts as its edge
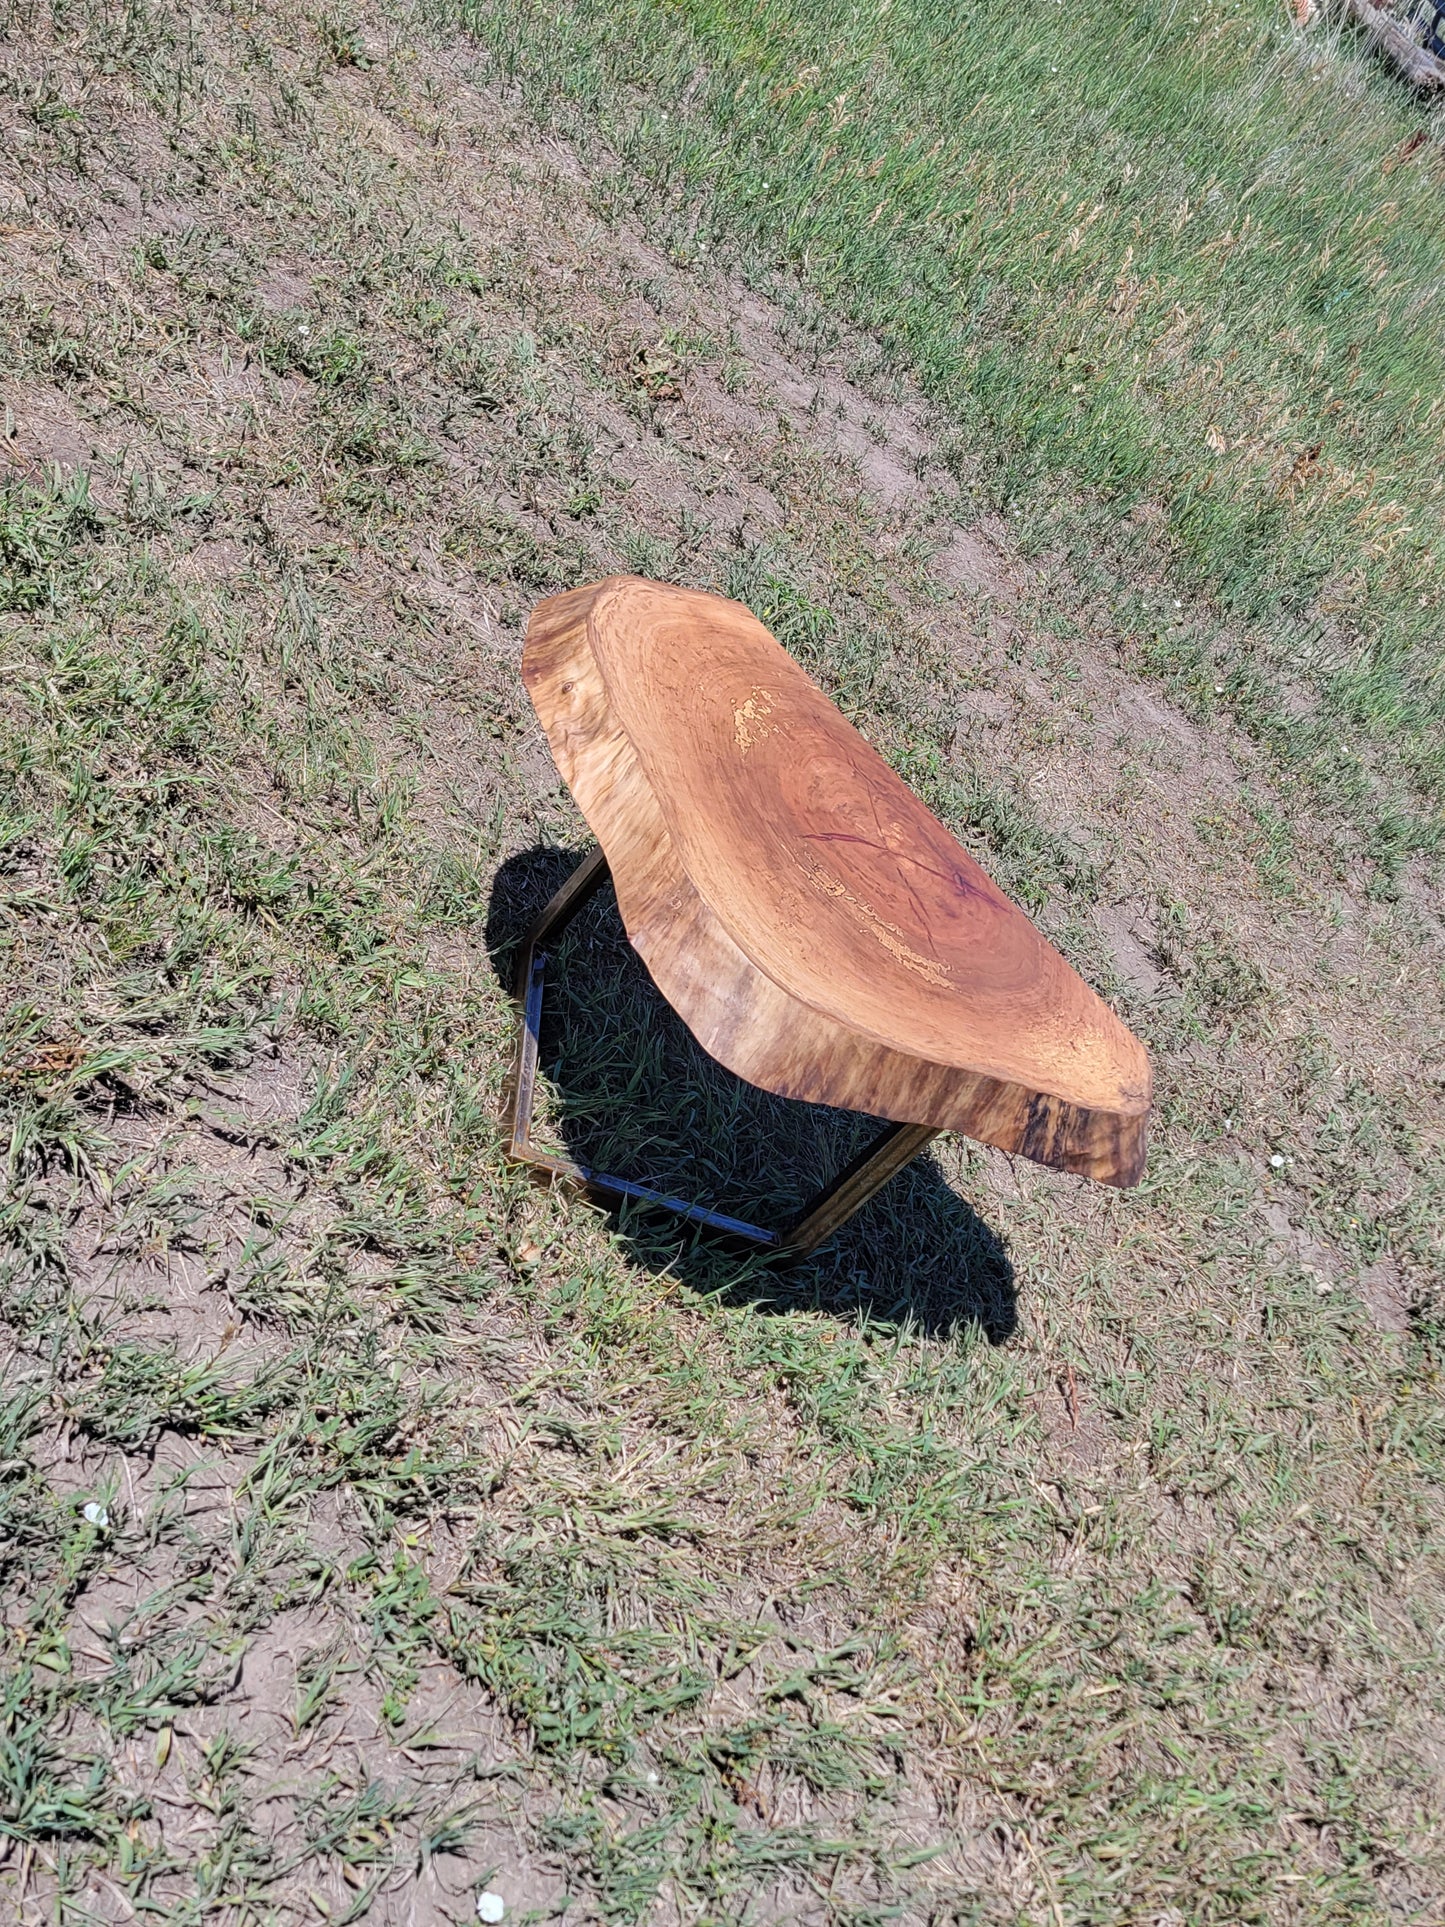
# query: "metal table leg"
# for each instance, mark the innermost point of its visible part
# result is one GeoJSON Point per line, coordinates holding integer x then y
{"type": "Point", "coordinates": [854, 1185]}
{"type": "Point", "coordinates": [820, 1218]}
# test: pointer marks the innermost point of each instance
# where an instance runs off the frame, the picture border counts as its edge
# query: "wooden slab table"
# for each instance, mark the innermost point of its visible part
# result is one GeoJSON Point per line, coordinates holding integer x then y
{"type": "Point", "coordinates": [817, 929]}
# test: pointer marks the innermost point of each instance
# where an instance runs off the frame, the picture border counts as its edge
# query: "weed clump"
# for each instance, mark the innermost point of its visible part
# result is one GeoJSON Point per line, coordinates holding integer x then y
{"type": "Point", "coordinates": [40, 529]}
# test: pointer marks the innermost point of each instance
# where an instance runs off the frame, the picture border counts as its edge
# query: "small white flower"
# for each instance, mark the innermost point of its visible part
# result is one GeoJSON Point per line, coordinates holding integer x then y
{"type": "Point", "coordinates": [96, 1514]}
{"type": "Point", "coordinates": [490, 1906]}
{"type": "Point", "coordinates": [1177, 603]}
{"type": "Point", "coordinates": [1219, 689]}
{"type": "Point", "coordinates": [303, 328]}
{"type": "Point", "coordinates": [654, 1778]}
{"type": "Point", "coordinates": [1277, 1161]}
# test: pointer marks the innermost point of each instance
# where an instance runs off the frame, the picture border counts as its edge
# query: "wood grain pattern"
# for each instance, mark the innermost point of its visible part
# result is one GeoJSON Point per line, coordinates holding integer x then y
{"type": "Point", "coordinates": [817, 929]}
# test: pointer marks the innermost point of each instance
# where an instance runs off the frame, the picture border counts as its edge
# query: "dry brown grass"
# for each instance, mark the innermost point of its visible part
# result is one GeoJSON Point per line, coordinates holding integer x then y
{"type": "Point", "coordinates": [1052, 1556]}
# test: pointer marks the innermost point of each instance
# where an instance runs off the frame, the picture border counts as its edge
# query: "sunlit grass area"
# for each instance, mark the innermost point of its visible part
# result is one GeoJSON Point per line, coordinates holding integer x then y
{"type": "Point", "coordinates": [1184, 260]}
{"type": "Point", "coordinates": [377, 1531]}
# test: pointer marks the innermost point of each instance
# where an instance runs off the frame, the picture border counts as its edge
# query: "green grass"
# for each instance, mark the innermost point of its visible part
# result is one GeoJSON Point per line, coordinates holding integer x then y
{"type": "Point", "coordinates": [1167, 260]}
{"type": "Point", "coordinates": [374, 1528]}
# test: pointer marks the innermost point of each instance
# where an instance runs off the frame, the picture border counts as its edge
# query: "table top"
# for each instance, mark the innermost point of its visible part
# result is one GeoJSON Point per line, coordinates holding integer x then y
{"type": "Point", "coordinates": [816, 927]}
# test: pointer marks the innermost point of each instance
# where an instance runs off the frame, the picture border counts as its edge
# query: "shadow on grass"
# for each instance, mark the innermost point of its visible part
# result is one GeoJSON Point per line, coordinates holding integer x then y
{"type": "Point", "coordinates": [625, 1088]}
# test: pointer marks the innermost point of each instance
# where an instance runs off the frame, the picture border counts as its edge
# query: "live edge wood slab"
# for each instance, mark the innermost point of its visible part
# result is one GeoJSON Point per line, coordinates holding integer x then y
{"type": "Point", "coordinates": [817, 929]}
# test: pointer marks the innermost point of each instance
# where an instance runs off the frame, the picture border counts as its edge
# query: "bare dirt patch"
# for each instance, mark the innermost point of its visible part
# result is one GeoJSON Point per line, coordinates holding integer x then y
{"type": "Point", "coordinates": [458, 1533]}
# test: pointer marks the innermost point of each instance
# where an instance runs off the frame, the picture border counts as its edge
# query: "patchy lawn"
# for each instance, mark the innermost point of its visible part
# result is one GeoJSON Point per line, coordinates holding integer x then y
{"type": "Point", "coordinates": [375, 1529]}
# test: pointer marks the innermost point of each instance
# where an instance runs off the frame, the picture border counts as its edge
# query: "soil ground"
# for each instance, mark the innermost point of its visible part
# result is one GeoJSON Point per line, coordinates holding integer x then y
{"type": "Point", "coordinates": [375, 1530]}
